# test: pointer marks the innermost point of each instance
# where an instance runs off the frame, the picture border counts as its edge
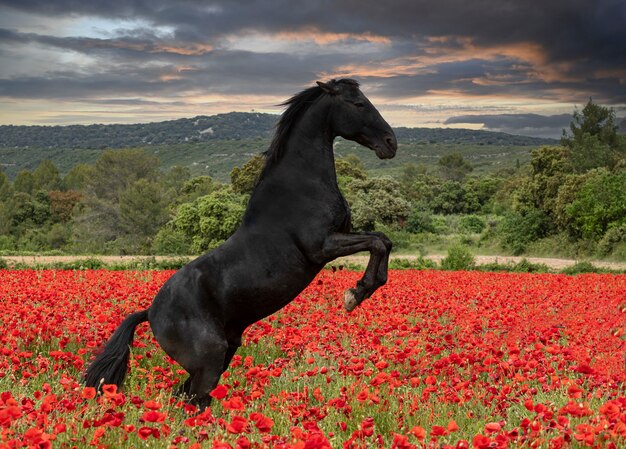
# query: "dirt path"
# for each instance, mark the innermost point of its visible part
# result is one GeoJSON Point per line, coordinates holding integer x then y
{"type": "Point", "coordinates": [554, 264]}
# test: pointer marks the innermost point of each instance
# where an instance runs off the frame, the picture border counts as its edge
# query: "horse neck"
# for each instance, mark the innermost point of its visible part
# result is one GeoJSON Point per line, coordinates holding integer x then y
{"type": "Point", "coordinates": [309, 149]}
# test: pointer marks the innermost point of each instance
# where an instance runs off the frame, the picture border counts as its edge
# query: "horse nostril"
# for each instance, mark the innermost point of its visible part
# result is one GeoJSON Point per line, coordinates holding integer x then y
{"type": "Point", "coordinates": [391, 142]}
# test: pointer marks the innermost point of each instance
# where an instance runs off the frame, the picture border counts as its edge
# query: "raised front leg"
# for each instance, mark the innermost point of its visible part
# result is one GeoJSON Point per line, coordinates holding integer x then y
{"type": "Point", "coordinates": [379, 246]}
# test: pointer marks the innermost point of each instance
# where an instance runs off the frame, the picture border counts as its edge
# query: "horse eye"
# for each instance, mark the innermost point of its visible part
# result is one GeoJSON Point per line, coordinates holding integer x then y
{"type": "Point", "coordinates": [359, 104]}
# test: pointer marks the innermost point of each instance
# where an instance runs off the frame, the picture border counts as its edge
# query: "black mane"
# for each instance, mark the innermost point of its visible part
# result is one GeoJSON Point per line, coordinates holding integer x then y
{"type": "Point", "coordinates": [296, 106]}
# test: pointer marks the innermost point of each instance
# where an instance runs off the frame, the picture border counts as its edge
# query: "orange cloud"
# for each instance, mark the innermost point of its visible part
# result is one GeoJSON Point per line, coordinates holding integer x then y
{"type": "Point", "coordinates": [450, 49]}
{"type": "Point", "coordinates": [186, 50]}
{"type": "Point", "coordinates": [325, 38]}
{"type": "Point", "coordinates": [150, 47]}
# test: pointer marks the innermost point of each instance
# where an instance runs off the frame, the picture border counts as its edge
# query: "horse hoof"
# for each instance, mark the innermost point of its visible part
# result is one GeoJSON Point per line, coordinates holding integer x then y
{"type": "Point", "coordinates": [349, 300]}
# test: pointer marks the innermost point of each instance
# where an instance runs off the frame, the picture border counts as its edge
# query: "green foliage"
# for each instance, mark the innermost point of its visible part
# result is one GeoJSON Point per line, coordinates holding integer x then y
{"type": "Point", "coordinates": [7, 242]}
{"type": "Point", "coordinates": [472, 223]}
{"type": "Point", "coordinates": [59, 236]}
{"type": "Point", "coordinates": [453, 167]}
{"type": "Point", "coordinates": [77, 178]}
{"type": "Point", "coordinates": [449, 198]}
{"type": "Point", "coordinates": [143, 208]}
{"type": "Point", "coordinates": [599, 204]}
{"type": "Point", "coordinates": [350, 167]}
{"type": "Point", "coordinates": [420, 221]}
{"type": "Point", "coordinates": [91, 263]}
{"type": "Point", "coordinates": [197, 187]}
{"type": "Point", "coordinates": [458, 258]}
{"type": "Point", "coordinates": [419, 263]}
{"type": "Point", "coordinates": [6, 190]}
{"type": "Point", "coordinates": [523, 266]}
{"type": "Point", "coordinates": [581, 268]}
{"type": "Point", "coordinates": [211, 219]}
{"type": "Point", "coordinates": [376, 200]}
{"type": "Point", "coordinates": [245, 178]}
{"type": "Point", "coordinates": [24, 182]}
{"type": "Point", "coordinates": [519, 229]}
{"type": "Point", "coordinates": [115, 170]}
{"type": "Point", "coordinates": [479, 193]}
{"type": "Point", "coordinates": [550, 167]}
{"type": "Point", "coordinates": [613, 241]}
{"type": "Point", "coordinates": [46, 176]}
{"type": "Point", "coordinates": [171, 241]}
{"type": "Point", "coordinates": [174, 180]}
{"type": "Point", "coordinates": [593, 139]}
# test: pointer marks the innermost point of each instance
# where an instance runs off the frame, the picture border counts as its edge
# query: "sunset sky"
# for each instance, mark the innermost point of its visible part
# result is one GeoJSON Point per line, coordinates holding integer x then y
{"type": "Point", "coordinates": [518, 66]}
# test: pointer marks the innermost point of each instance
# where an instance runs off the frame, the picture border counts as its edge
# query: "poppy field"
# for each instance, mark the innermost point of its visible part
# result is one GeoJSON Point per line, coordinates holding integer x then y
{"type": "Point", "coordinates": [433, 360]}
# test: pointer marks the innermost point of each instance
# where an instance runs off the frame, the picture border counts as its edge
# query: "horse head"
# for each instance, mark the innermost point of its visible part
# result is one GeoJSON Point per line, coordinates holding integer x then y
{"type": "Point", "coordinates": [354, 117]}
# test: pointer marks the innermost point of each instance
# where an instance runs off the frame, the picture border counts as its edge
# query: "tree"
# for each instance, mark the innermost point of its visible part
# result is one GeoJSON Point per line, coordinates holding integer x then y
{"type": "Point", "coordinates": [6, 190]}
{"type": "Point", "coordinates": [376, 200]}
{"type": "Point", "coordinates": [143, 209]}
{"type": "Point", "coordinates": [449, 198]}
{"type": "Point", "coordinates": [175, 179]}
{"type": "Point", "coordinates": [46, 176]}
{"type": "Point", "coordinates": [410, 181]}
{"type": "Point", "coordinates": [77, 178]}
{"type": "Point", "coordinates": [96, 225]}
{"type": "Point", "coordinates": [599, 204]}
{"type": "Point", "coordinates": [210, 219]}
{"type": "Point", "coordinates": [479, 192]}
{"type": "Point", "coordinates": [197, 187]}
{"type": "Point", "coordinates": [350, 167]}
{"type": "Point", "coordinates": [245, 178]}
{"type": "Point", "coordinates": [24, 182]}
{"type": "Point", "coordinates": [62, 205]}
{"type": "Point", "coordinates": [593, 139]}
{"type": "Point", "coordinates": [115, 170]}
{"type": "Point", "coordinates": [550, 167]}
{"type": "Point", "coordinates": [453, 167]}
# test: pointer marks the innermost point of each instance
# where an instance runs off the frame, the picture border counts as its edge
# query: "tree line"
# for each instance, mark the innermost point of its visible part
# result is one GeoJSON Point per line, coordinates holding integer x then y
{"type": "Point", "coordinates": [571, 196]}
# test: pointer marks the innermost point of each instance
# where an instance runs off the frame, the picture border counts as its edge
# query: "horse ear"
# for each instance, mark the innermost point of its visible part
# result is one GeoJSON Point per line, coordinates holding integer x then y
{"type": "Point", "coordinates": [328, 88]}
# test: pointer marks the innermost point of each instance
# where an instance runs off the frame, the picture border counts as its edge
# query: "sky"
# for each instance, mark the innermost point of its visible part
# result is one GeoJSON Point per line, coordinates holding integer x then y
{"type": "Point", "coordinates": [518, 66]}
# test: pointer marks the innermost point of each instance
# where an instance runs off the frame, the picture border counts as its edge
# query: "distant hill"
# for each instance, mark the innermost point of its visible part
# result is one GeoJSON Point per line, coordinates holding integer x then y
{"type": "Point", "coordinates": [234, 125]}
{"type": "Point", "coordinates": [213, 145]}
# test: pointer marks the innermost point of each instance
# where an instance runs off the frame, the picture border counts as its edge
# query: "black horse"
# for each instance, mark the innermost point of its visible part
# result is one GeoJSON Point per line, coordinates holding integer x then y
{"type": "Point", "coordinates": [295, 223]}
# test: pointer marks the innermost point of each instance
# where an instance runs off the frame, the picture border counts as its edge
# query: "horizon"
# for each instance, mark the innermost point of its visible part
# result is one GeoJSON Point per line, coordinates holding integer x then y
{"type": "Point", "coordinates": [496, 66]}
{"type": "Point", "coordinates": [460, 128]}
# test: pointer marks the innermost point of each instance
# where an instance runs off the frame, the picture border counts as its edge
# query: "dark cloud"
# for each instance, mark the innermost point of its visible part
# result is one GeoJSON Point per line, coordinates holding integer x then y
{"type": "Point", "coordinates": [563, 51]}
{"type": "Point", "coordinates": [524, 124]}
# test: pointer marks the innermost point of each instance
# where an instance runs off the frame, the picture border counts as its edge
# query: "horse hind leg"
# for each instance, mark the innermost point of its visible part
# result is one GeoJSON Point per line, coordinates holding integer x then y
{"type": "Point", "coordinates": [200, 347]}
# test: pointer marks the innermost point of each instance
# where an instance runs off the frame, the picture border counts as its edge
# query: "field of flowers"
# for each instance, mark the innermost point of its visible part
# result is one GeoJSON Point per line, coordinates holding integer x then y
{"type": "Point", "coordinates": [434, 359]}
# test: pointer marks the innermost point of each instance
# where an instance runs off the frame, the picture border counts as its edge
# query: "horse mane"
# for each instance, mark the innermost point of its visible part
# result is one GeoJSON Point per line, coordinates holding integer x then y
{"type": "Point", "coordinates": [296, 107]}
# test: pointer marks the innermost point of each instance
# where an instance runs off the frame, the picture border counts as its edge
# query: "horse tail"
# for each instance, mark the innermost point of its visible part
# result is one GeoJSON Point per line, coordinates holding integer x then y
{"type": "Point", "coordinates": [110, 365]}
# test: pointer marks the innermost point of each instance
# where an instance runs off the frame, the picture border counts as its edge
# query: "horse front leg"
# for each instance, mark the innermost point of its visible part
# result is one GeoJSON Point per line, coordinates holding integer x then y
{"type": "Point", "coordinates": [379, 247]}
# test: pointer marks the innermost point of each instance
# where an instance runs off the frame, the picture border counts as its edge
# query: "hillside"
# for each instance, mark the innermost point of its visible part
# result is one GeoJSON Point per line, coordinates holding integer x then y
{"type": "Point", "coordinates": [213, 145]}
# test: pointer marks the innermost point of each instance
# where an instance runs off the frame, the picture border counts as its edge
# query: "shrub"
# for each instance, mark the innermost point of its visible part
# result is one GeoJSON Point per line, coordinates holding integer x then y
{"type": "Point", "coordinates": [612, 240]}
{"type": "Point", "coordinates": [581, 268]}
{"type": "Point", "coordinates": [412, 264]}
{"type": "Point", "coordinates": [524, 266]}
{"type": "Point", "coordinates": [520, 229]}
{"type": "Point", "coordinates": [472, 223]}
{"type": "Point", "coordinates": [170, 241]}
{"type": "Point", "coordinates": [91, 263]}
{"type": "Point", "coordinates": [7, 242]}
{"type": "Point", "coordinates": [459, 258]}
{"type": "Point", "coordinates": [420, 221]}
